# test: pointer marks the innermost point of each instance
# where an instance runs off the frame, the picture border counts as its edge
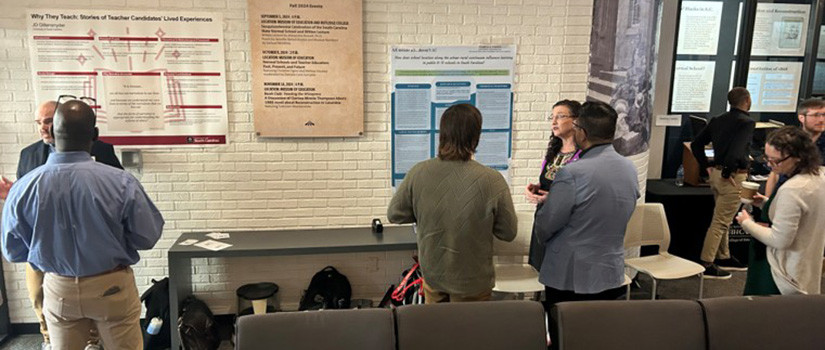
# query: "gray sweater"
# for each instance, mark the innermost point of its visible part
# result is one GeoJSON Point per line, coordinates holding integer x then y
{"type": "Point", "coordinates": [459, 207]}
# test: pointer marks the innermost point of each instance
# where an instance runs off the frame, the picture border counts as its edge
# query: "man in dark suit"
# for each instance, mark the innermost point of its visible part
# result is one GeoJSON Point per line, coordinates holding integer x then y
{"type": "Point", "coordinates": [32, 157]}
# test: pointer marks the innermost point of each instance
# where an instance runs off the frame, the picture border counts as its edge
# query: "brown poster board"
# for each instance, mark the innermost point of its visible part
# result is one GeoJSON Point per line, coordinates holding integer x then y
{"type": "Point", "coordinates": [307, 68]}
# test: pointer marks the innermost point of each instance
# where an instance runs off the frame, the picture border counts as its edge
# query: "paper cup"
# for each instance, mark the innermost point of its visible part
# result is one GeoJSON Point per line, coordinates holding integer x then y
{"type": "Point", "coordinates": [748, 191]}
{"type": "Point", "coordinates": [259, 306]}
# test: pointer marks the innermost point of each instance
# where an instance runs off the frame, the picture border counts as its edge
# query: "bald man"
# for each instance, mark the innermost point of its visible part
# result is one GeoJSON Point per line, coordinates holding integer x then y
{"type": "Point", "coordinates": [32, 157]}
{"type": "Point", "coordinates": [82, 223]}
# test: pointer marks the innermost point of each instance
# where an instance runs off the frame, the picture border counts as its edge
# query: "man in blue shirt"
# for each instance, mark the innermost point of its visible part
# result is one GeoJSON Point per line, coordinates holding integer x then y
{"type": "Point", "coordinates": [32, 157]}
{"type": "Point", "coordinates": [82, 223]}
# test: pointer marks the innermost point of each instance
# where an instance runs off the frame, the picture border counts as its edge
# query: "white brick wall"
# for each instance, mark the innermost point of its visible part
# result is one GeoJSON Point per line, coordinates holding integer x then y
{"type": "Point", "coordinates": [256, 183]}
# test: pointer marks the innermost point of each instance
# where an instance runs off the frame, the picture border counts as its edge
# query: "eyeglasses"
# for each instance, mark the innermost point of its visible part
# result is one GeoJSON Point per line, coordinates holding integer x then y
{"type": "Point", "coordinates": [577, 126]}
{"type": "Point", "coordinates": [816, 115]}
{"type": "Point", "coordinates": [91, 101]}
{"type": "Point", "coordinates": [559, 116]}
{"type": "Point", "coordinates": [774, 161]}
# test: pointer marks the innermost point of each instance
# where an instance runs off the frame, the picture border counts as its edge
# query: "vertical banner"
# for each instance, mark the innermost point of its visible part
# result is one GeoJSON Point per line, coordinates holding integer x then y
{"type": "Point", "coordinates": [307, 68]}
{"type": "Point", "coordinates": [158, 78]}
{"type": "Point", "coordinates": [622, 60]}
{"type": "Point", "coordinates": [426, 80]}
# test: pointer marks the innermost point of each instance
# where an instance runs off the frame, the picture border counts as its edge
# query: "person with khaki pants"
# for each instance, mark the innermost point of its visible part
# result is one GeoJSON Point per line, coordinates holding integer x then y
{"type": "Point", "coordinates": [726, 197]}
{"type": "Point", "coordinates": [32, 157]}
{"type": "Point", "coordinates": [731, 134]}
{"type": "Point", "coordinates": [82, 223]}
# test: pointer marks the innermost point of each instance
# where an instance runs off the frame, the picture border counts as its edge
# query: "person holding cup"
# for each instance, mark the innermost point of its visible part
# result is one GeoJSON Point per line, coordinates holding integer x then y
{"type": "Point", "coordinates": [792, 220]}
{"type": "Point", "coordinates": [561, 150]}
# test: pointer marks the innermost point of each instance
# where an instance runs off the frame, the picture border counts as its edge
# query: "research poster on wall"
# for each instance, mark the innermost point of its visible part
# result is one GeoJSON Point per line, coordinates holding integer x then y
{"type": "Point", "coordinates": [699, 25]}
{"type": "Point", "coordinates": [774, 86]}
{"type": "Point", "coordinates": [426, 80]}
{"type": "Point", "coordinates": [780, 29]}
{"type": "Point", "coordinates": [692, 86]}
{"type": "Point", "coordinates": [157, 78]}
{"type": "Point", "coordinates": [307, 68]}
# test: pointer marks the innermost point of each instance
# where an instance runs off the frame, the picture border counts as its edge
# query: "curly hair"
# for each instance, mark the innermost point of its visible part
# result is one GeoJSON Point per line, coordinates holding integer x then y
{"type": "Point", "coordinates": [554, 146]}
{"type": "Point", "coordinates": [792, 141]}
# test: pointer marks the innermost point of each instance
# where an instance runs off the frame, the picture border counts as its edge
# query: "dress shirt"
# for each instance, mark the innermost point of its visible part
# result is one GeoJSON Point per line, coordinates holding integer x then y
{"type": "Point", "coordinates": [731, 134]}
{"type": "Point", "coordinates": [77, 217]}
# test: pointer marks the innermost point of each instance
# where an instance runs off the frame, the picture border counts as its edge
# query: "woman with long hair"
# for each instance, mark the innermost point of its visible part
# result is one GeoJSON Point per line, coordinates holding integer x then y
{"type": "Point", "coordinates": [561, 150]}
{"type": "Point", "coordinates": [792, 220]}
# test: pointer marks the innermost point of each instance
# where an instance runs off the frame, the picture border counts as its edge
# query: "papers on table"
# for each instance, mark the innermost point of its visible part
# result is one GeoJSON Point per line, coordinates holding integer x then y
{"type": "Point", "coordinates": [188, 242]}
{"type": "Point", "coordinates": [217, 235]}
{"type": "Point", "coordinates": [210, 244]}
{"type": "Point", "coordinates": [213, 245]}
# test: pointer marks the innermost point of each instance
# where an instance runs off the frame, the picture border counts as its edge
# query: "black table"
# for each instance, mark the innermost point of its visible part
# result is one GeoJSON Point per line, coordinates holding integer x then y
{"type": "Point", "coordinates": [268, 243]}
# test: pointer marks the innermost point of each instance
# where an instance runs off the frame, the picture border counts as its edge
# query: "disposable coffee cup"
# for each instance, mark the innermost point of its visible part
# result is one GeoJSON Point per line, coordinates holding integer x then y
{"type": "Point", "coordinates": [259, 307]}
{"type": "Point", "coordinates": [748, 191]}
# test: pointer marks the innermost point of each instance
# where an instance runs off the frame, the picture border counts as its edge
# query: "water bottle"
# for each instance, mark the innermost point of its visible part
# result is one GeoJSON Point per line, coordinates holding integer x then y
{"type": "Point", "coordinates": [680, 176]}
{"type": "Point", "coordinates": [154, 326]}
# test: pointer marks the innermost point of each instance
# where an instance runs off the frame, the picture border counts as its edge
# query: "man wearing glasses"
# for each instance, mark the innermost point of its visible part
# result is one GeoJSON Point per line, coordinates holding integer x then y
{"type": "Point", "coordinates": [82, 223]}
{"type": "Point", "coordinates": [32, 157]}
{"type": "Point", "coordinates": [731, 134]}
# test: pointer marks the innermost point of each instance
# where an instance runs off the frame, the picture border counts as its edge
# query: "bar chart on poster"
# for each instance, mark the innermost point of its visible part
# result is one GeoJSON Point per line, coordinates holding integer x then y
{"type": "Point", "coordinates": [426, 80]}
{"type": "Point", "coordinates": [157, 78]}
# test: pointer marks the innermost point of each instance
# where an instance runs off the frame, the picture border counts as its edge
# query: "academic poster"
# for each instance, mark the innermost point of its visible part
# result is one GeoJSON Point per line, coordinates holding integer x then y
{"type": "Point", "coordinates": [157, 77]}
{"type": "Point", "coordinates": [426, 80]}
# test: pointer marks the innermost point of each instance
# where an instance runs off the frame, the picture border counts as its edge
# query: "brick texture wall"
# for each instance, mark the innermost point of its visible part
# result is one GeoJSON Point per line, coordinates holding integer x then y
{"type": "Point", "coordinates": [254, 183]}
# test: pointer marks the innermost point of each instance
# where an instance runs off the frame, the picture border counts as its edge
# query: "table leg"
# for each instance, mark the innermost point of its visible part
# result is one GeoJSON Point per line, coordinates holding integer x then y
{"type": "Point", "coordinates": [180, 286]}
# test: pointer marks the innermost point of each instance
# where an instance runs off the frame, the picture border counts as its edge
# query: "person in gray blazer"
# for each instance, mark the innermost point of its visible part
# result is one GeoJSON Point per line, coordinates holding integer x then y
{"type": "Point", "coordinates": [583, 223]}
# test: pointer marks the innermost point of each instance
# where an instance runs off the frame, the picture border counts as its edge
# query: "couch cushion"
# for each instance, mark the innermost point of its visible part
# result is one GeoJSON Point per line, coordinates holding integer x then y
{"type": "Point", "coordinates": [472, 326]}
{"type": "Point", "coordinates": [780, 322]}
{"type": "Point", "coordinates": [637, 324]}
{"type": "Point", "coordinates": [326, 329]}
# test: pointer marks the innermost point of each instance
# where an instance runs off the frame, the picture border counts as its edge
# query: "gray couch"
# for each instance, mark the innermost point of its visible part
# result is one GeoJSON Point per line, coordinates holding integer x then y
{"type": "Point", "coordinates": [781, 322]}
{"type": "Point", "coordinates": [454, 326]}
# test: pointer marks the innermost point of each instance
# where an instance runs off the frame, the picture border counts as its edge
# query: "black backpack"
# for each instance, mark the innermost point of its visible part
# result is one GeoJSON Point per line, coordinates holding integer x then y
{"type": "Point", "coordinates": [156, 299]}
{"type": "Point", "coordinates": [197, 327]}
{"type": "Point", "coordinates": [329, 289]}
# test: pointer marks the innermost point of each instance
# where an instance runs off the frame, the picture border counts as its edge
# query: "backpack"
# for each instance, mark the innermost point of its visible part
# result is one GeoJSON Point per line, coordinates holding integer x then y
{"type": "Point", "coordinates": [197, 327]}
{"type": "Point", "coordinates": [328, 289]}
{"type": "Point", "coordinates": [156, 300]}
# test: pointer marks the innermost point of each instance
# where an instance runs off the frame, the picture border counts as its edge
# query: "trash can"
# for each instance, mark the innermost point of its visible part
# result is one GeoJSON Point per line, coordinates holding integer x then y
{"type": "Point", "coordinates": [257, 298]}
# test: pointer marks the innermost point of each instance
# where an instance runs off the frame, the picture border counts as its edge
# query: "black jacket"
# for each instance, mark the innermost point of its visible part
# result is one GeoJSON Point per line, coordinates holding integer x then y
{"type": "Point", "coordinates": [37, 153]}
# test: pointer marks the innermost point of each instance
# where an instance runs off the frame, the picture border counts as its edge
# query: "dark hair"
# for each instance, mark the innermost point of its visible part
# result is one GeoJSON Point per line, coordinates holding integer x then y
{"type": "Point", "coordinates": [554, 146]}
{"type": "Point", "coordinates": [598, 120]}
{"type": "Point", "coordinates": [459, 132]}
{"type": "Point", "coordinates": [792, 141]}
{"type": "Point", "coordinates": [811, 103]}
{"type": "Point", "coordinates": [738, 96]}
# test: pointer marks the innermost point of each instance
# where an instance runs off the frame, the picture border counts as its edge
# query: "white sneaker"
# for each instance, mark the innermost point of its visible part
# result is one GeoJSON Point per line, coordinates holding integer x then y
{"type": "Point", "coordinates": [45, 346]}
{"type": "Point", "coordinates": [93, 347]}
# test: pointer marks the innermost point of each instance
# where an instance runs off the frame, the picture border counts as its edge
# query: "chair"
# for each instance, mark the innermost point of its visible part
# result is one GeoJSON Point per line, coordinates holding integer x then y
{"type": "Point", "coordinates": [776, 322]}
{"type": "Point", "coordinates": [513, 275]}
{"type": "Point", "coordinates": [508, 324]}
{"type": "Point", "coordinates": [648, 226]}
{"type": "Point", "coordinates": [636, 324]}
{"type": "Point", "coordinates": [326, 329]}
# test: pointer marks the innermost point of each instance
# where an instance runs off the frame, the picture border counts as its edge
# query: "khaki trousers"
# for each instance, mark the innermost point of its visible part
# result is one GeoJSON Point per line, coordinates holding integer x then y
{"type": "Point", "coordinates": [34, 284]}
{"type": "Point", "coordinates": [73, 305]}
{"type": "Point", "coordinates": [726, 196]}
{"type": "Point", "coordinates": [432, 296]}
